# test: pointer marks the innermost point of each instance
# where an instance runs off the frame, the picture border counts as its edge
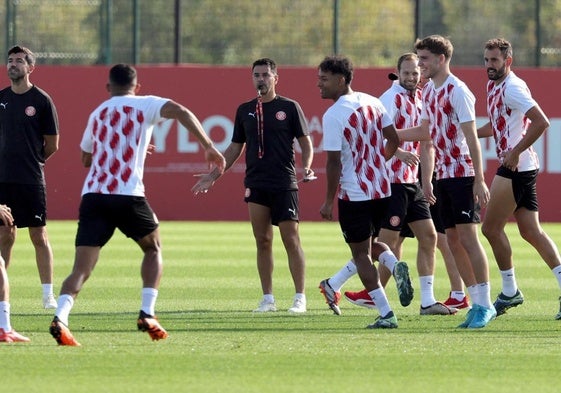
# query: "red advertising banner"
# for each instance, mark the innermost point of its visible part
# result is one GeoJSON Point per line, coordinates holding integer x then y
{"type": "Point", "coordinates": [213, 94]}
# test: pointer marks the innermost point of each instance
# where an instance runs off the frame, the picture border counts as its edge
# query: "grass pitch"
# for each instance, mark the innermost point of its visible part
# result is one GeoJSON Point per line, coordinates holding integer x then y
{"type": "Point", "coordinates": [216, 344]}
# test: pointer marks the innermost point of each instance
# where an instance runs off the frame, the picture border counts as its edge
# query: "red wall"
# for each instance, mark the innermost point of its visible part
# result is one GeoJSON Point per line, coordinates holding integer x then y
{"type": "Point", "coordinates": [213, 94]}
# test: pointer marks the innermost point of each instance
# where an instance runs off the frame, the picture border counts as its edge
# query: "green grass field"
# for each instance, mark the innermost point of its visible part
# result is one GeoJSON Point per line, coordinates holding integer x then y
{"type": "Point", "coordinates": [217, 344]}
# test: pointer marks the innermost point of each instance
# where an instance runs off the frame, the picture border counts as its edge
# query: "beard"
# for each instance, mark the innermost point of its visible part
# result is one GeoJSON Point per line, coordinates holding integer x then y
{"type": "Point", "coordinates": [495, 74]}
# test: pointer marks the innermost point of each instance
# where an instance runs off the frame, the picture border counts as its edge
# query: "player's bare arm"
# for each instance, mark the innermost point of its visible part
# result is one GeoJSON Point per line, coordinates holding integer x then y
{"type": "Point", "coordinates": [307, 148]}
{"type": "Point", "coordinates": [50, 145]}
{"type": "Point", "coordinates": [86, 159]}
{"type": "Point", "coordinates": [539, 124]}
{"type": "Point", "coordinates": [332, 174]}
{"type": "Point", "coordinates": [485, 131]}
{"type": "Point", "coordinates": [480, 190]}
{"type": "Point", "coordinates": [173, 110]}
{"type": "Point", "coordinates": [419, 133]}
{"type": "Point", "coordinates": [392, 141]}
{"type": "Point", "coordinates": [427, 165]}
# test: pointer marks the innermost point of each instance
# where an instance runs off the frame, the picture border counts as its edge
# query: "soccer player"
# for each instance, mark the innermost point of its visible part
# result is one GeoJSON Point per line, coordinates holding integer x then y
{"type": "Point", "coordinates": [7, 334]}
{"type": "Point", "coordinates": [354, 129]}
{"type": "Point", "coordinates": [516, 121]}
{"type": "Point", "coordinates": [114, 147]}
{"type": "Point", "coordinates": [28, 137]}
{"type": "Point", "coordinates": [266, 127]}
{"type": "Point", "coordinates": [448, 120]}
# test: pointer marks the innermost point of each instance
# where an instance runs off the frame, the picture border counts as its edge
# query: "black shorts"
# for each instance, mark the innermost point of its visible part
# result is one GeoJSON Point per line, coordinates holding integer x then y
{"type": "Point", "coordinates": [523, 187]}
{"type": "Point", "coordinates": [283, 203]}
{"type": "Point", "coordinates": [101, 214]}
{"type": "Point", "coordinates": [456, 201]}
{"type": "Point", "coordinates": [407, 204]}
{"type": "Point", "coordinates": [28, 203]}
{"type": "Point", "coordinates": [361, 220]}
{"type": "Point", "coordinates": [435, 210]}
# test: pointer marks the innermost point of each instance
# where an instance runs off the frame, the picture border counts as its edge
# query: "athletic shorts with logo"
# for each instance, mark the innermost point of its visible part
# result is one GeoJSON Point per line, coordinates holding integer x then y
{"type": "Point", "coordinates": [283, 203]}
{"type": "Point", "coordinates": [456, 201]}
{"type": "Point", "coordinates": [407, 204]}
{"type": "Point", "coordinates": [28, 203]}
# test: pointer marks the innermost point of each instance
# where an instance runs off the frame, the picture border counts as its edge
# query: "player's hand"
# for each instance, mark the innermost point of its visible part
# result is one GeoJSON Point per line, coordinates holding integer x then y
{"type": "Point", "coordinates": [215, 158]}
{"type": "Point", "coordinates": [509, 160]}
{"type": "Point", "coordinates": [428, 192]}
{"type": "Point", "coordinates": [326, 211]}
{"type": "Point", "coordinates": [203, 185]}
{"type": "Point", "coordinates": [309, 176]}
{"type": "Point", "coordinates": [6, 215]}
{"type": "Point", "coordinates": [408, 158]}
{"type": "Point", "coordinates": [481, 193]}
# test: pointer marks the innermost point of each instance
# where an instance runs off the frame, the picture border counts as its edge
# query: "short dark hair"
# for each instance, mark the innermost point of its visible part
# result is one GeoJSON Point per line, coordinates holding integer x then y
{"type": "Point", "coordinates": [500, 43]}
{"type": "Point", "coordinates": [436, 44]}
{"type": "Point", "coordinates": [338, 65]}
{"type": "Point", "coordinates": [122, 75]}
{"type": "Point", "coordinates": [29, 56]}
{"type": "Point", "coordinates": [404, 57]}
{"type": "Point", "coordinates": [266, 62]}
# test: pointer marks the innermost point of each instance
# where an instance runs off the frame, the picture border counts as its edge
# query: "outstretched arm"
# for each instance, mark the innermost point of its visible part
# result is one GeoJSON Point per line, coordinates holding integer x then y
{"type": "Point", "coordinates": [173, 110]}
{"type": "Point", "coordinates": [231, 155]}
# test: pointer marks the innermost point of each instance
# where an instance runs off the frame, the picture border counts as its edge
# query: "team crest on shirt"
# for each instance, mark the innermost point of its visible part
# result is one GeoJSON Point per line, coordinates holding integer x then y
{"type": "Point", "coordinates": [280, 115]}
{"type": "Point", "coordinates": [394, 221]}
{"type": "Point", "coordinates": [30, 111]}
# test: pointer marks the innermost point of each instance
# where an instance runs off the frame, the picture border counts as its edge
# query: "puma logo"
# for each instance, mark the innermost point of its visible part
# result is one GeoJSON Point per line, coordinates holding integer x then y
{"type": "Point", "coordinates": [251, 114]}
{"type": "Point", "coordinates": [4, 104]}
{"type": "Point", "coordinates": [468, 213]}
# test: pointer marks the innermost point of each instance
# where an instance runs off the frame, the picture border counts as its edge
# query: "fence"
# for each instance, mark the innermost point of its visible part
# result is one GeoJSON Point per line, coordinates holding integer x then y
{"type": "Point", "coordinates": [294, 32]}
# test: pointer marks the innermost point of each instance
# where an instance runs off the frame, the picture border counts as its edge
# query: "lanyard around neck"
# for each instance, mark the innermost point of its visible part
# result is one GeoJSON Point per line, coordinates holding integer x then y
{"type": "Point", "coordinates": [259, 115]}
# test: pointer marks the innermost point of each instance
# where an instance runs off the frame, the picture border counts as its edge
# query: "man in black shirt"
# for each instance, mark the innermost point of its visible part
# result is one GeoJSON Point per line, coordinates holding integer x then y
{"type": "Point", "coordinates": [266, 127]}
{"type": "Point", "coordinates": [28, 137]}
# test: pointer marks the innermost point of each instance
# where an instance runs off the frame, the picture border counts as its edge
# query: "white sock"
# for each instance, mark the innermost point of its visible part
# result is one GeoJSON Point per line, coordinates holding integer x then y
{"type": "Point", "coordinates": [427, 291]}
{"type": "Point", "coordinates": [300, 296]}
{"type": "Point", "coordinates": [381, 301]}
{"type": "Point", "coordinates": [484, 293]}
{"type": "Point", "coordinates": [388, 259]}
{"type": "Point", "coordinates": [557, 273]}
{"type": "Point", "coordinates": [457, 295]}
{"type": "Point", "coordinates": [47, 289]}
{"type": "Point", "coordinates": [65, 304]}
{"type": "Point", "coordinates": [5, 317]}
{"type": "Point", "coordinates": [268, 298]}
{"type": "Point", "coordinates": [149, 296]}
{"type": "Point", "coordinates": [509, 282]}
{"type": "Point", "coordinates": [342, 276]}
{"type": "Point", "coordinates": [474, 294]}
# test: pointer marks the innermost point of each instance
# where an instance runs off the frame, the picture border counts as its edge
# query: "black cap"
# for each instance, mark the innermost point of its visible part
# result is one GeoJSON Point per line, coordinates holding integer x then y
{"type": "Point", "coordinates": [393, 76]}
